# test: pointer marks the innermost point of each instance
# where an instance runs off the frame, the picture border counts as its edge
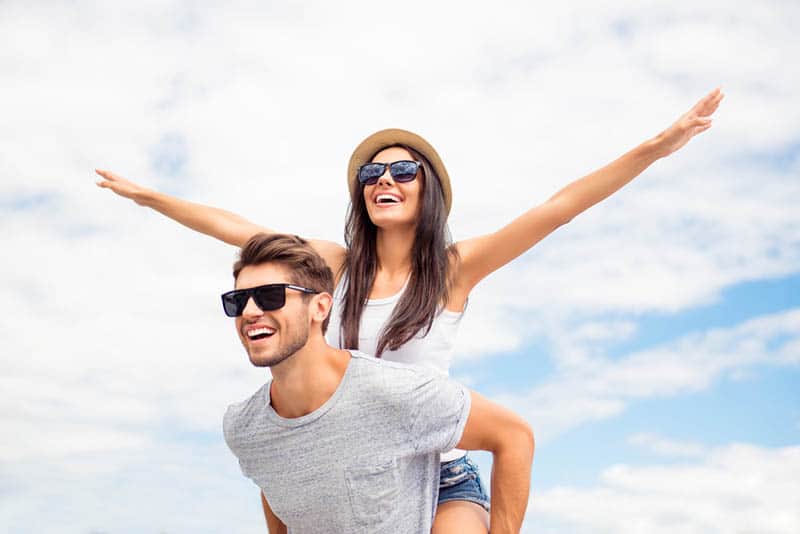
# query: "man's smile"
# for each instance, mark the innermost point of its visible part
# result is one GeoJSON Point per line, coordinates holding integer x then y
{"type": "Point", "coordinates": [258, 332]}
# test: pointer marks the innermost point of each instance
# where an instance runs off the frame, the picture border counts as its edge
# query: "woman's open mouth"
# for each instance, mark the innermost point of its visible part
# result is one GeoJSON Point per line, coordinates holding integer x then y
{"type": "Point", "coordinates": [387, 199]}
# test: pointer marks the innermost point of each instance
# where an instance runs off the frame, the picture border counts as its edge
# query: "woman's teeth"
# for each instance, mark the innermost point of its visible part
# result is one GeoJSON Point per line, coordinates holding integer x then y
{"type": "Point", "coordinates": [384, 199]}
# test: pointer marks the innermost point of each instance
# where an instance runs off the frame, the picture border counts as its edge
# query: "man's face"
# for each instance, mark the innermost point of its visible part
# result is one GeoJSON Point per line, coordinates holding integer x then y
{"type": "Point", "coordinates": [271, 337]}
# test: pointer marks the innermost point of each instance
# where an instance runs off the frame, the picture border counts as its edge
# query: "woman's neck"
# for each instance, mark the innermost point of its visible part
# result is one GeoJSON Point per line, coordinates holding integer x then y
{"type": "Point", "coordinates": [394, 248]}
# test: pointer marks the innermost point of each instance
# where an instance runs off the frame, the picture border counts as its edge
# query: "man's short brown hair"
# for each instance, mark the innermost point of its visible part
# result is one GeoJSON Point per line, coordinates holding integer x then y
{"type": "Point", "coordinates": [306, 267]}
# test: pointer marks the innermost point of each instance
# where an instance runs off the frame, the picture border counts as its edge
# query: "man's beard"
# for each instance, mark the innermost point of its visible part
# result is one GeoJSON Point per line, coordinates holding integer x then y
{"type": "Point", "coordinates": [294, 341]}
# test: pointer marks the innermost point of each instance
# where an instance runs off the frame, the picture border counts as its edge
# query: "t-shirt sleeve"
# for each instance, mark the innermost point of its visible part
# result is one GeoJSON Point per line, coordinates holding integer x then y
{"type": "Point", "coordinates": [229, 428]}
{"type": "Point", "coordinates": [439, 411]}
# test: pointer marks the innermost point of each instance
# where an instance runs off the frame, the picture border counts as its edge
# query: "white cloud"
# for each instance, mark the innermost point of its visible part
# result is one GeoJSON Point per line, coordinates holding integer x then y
{"type": "Point", "coordinates": [737, 488]}
{"type": "Point", "coordinates": [600, 388]}
{"type": "Point", "coordinates": [170, 486]}
{"type": "Point", "coordinates": [603, 331]}
{"type": "Point", "coordinates": [53, 440]}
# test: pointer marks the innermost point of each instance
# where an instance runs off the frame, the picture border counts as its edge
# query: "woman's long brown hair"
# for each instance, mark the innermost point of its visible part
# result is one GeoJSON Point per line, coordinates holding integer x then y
{"type": "Point", "coordinates": [431, 256]}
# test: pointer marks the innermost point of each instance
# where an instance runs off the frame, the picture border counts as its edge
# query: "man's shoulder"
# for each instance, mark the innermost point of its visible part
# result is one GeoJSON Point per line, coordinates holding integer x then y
{"type": "Point", "coordinates": [371, 366]}
{"type": "Point", "coordinates": [387, 378]}
{"type": "Point", "coordinates": [240, 415]}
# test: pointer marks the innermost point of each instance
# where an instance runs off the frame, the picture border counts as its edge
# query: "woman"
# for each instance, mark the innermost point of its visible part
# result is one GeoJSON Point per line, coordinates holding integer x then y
{"type": "Point", "coordinates": [401, 285]}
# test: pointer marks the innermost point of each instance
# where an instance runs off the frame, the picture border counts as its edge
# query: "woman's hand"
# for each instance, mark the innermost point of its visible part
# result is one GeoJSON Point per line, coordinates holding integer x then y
{"type": "Point", "coordinates": [122, 187]}
{"type": "Point", "coordinates": [691, 123]}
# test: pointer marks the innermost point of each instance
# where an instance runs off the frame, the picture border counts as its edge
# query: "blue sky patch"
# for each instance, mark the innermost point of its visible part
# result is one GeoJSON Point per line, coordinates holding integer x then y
{"type": "Point", "coordinates": [28, 201]}
{"type": "Point", "coordinates": [169, 157]}
{"type": "Point", "coordinates": [737, 304]}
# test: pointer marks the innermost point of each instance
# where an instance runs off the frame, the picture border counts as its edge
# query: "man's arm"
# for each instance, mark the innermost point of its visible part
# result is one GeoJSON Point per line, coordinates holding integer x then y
{"type": "Point", "coordinates": [490, 427]}
{"type": "Point", "coordinates": [274, 525]}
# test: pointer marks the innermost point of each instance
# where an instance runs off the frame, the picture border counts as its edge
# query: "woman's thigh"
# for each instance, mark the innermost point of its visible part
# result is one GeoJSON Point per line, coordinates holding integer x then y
{"type": "Point", "coordinates": [460, 517]}
{"type": "Point", "coordinates": [463, 502]}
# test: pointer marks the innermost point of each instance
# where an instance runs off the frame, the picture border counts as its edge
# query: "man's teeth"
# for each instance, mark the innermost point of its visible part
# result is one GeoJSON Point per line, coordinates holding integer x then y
{"type": "Point", "coordinates": [260, 332]}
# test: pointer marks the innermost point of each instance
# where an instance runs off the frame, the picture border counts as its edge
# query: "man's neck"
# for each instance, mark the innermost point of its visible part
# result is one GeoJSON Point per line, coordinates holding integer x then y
{"type": "Point", "coordinates": [302, 383]}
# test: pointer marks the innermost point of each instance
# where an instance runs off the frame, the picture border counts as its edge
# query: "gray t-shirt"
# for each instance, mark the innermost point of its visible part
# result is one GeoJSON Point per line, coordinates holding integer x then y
{"type": "Point", "coordinates": [366, 461]}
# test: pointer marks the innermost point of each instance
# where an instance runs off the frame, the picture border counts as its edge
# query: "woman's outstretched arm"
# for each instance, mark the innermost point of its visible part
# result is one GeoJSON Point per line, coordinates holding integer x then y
{"type": "Point", "coordinates": [221, 224]}
{"type": "Point", "coordinates": [483, 255]}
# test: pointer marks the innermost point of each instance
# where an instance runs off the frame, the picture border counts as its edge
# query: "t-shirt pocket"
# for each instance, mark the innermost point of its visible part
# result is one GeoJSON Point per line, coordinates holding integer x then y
{"type": "Point", "coordinates": [373, 490]}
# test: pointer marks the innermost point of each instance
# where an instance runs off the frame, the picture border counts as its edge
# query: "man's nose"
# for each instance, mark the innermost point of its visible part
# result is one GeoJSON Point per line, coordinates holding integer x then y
{"type": "Point", "coordinates": [251, 309]}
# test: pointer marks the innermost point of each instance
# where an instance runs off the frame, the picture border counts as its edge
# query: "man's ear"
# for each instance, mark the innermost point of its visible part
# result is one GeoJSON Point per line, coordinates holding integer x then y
{"type": "Point", "coordinates": [321, 306]}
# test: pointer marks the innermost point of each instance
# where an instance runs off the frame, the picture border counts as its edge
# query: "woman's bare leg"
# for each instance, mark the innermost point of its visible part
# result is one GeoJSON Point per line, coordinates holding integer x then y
{"type": "Point", "coordinates": [460, 517]}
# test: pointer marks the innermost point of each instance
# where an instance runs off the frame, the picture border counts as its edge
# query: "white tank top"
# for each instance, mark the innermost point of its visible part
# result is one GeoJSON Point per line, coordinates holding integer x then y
{"type": "Point", "coordinates": [434, 351]}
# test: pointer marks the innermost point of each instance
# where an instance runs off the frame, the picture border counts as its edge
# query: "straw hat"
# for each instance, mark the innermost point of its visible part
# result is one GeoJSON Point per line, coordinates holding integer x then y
{"type": "Point", "coordinates": [376, 142]}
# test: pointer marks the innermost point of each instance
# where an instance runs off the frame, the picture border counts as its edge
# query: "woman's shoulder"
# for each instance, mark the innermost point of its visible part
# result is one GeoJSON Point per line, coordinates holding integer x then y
{"type": "Point", "coordinates": [334, 255]}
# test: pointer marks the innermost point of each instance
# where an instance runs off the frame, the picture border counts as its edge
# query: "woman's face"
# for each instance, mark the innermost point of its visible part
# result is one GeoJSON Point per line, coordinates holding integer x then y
{"type": "Point", "coordinates": [390, 203]}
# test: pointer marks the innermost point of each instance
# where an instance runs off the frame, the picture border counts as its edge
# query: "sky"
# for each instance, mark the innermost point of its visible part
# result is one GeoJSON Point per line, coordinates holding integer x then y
{"type": "Point", "coordinates": [653, 343]}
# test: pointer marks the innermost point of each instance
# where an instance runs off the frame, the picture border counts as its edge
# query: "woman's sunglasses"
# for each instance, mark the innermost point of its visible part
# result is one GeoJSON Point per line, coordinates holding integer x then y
{"type": "Point", "coordinates": [267, 298]}
{"type": "Point", "coordinates": [401, 171]}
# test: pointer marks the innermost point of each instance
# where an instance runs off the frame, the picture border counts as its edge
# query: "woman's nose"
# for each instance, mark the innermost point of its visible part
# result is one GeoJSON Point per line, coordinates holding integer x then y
{"type": "Point", "coordinates": [386, 179]}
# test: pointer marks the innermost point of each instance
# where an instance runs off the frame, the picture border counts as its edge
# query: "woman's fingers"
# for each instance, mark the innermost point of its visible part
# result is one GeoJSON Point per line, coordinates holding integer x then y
{"type": "Point", "coordinates": [699, 130]}
{"type": "Point", "coordinates": [702, 128]}
{"type": "Point", "coordinates": [103, 174]}
{"type": "Point", "coordinates": [108, 179]}
{"type": "Point", "coordinates": [701, 121]}
{"type": "Point", "coordinates": [709, 103]}
{"type": "Point", "coordinates": [117, 184]}
{"type": "Point", "coordinates": [108, 175]}
{"type": "Point", "coordinates": [696, 125]}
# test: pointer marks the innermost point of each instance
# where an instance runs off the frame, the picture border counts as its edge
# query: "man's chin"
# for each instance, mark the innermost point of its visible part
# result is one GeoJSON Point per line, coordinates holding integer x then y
{"type": "Point", "coordinates": [270, 356]}
{"type": "Point", "coordinates": [262, 360]}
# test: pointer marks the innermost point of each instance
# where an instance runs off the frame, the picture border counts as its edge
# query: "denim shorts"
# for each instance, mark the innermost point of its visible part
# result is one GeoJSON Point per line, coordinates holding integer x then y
{"type": "Point", "coordinates": [459, 481]}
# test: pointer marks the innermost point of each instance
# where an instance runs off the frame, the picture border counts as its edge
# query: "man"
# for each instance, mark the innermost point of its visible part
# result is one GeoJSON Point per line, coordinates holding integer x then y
{"type": "Point", "coordinates": [342, 442]}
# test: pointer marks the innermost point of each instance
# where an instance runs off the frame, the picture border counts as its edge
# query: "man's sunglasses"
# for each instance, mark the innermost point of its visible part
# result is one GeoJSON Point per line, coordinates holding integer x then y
{"type": "Point", "coordinates": [267, 298]}
{"type": "Point", "coordinates": [401, 171]}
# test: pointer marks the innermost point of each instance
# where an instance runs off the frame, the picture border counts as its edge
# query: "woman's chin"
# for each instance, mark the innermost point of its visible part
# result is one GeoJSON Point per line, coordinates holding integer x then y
{"type": "Point", "coordinates": [387, 221]}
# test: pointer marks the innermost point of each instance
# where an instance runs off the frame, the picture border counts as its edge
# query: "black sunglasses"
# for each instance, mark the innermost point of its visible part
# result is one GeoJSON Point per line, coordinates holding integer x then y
{"type": "Point", "coordinates": [401, 171]}
{"type": "Point", "coordinates": [267, 298]}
